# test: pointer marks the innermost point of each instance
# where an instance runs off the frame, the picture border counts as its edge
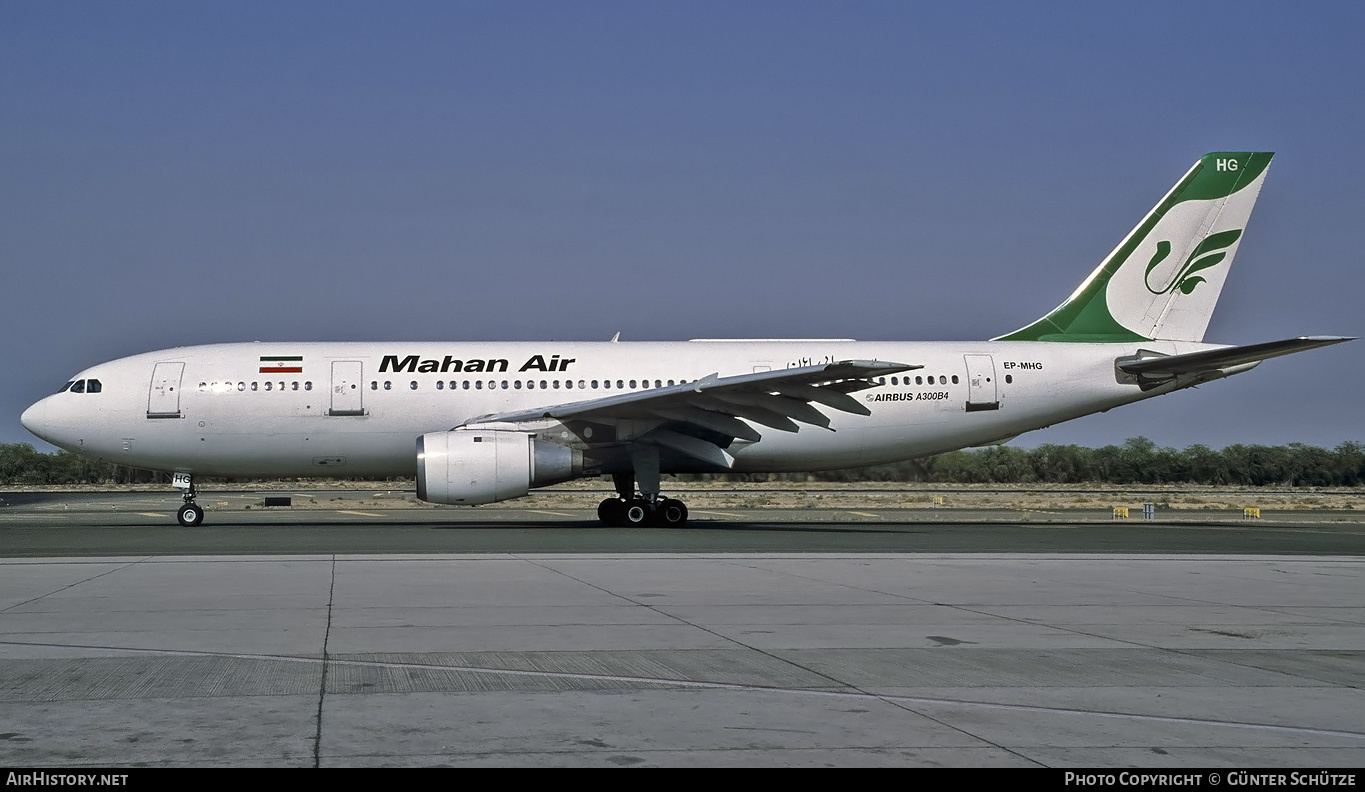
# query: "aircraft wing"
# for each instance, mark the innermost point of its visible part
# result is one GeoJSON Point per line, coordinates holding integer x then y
{"type": "Point", "coordinates": [1169, 366]}
{"type": "Point", "coordinates": [700, 419]}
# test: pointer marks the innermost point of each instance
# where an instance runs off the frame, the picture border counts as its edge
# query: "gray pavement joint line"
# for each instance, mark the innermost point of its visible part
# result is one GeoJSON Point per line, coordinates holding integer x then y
{"type": "Point", "coordinates": [893, 701]}
{"type": "Point", "coordinates": [118, 568]}
{"type": "Point", "coordinates": [790, 662]}
{"type": "Point", "coordinates": [849, 693]}
{"type": "Point", "coordinates": [322, 686]}
{"type": "Point", "coordinates": [1072, 630]}
{"type": "Point", "coordinates": [1173, 650]}
{"type": "Point", "coordinates": [1143, 645]}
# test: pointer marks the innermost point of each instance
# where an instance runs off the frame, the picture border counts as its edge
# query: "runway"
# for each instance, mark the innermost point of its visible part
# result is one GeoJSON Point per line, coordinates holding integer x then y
{"type": "Point", "coordinates": [595, 651]}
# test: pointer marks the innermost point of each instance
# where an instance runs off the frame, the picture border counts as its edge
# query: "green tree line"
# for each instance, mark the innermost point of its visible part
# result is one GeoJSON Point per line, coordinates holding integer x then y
{"type": "Point", "coordinates": [1137, 461]}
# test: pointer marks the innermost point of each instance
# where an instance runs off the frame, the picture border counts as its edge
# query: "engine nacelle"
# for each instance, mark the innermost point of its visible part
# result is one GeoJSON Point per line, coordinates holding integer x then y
{"type": "Point", "coordinates": [471, 466]}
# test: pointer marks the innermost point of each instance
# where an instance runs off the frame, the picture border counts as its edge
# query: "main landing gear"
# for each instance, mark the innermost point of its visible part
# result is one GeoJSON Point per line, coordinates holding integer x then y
{"type": "Point", "coordinates": [646, 508]}
{"type": "Point", "coordinates": [191, 514]}
{"type": "Point", "coordinates": [639, 511]}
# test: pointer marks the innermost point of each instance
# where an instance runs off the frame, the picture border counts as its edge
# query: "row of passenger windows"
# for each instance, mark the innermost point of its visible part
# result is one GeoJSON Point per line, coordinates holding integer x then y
{"type": "Point", "coordinates": [920, 380]}
{"type": "Point", "coordinates": [82, 386]}
{"type": "Point", "coordinates": [533, 384]}
{"type": "Point", "coordinates": [93, 386]}
{"type": "Point", "coordinates": [223, 387]}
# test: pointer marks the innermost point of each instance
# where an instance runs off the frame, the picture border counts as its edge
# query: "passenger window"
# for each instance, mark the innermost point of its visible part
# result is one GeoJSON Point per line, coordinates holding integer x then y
{"type": "Point", "coordinates": [374, 385]}
{"type": "Point", "coordinates": [954, 379]}
{"type": "Point", "coordinates": [388, 384]}
{"type": "Point", "coordinates": [517, 384]}
{"type": "Point", "coordinates": [440, 385]}
{"type": "Point", "coordinates": [93, 386]}
{"type": "Point", "coordinates": [465, 384]}
{"type": "Point", "coordinates": [919, 380]}
{"type": "Point", "coordinates": [580, 383]}
{"type": "Point", "coordinates": [478, 385]}
{"type": "Point", "coordinates": [241, 386]}
{"type": "Point", "coordinates": [1009, 378]}
{"type": "Point", "coordinates": [504, 384]}
{"type": "Point", "coordinates": [594, 384]}
{"type": "Point", "coordinates": [308, 386]}
{"type": "Point", "coordinates": [620, 385]}
{"type": "Point", "coordinates": [556, 383]}
{"type": "Point", "coordinates": [269, 386]}
{"type": "Point", "coordinates": [632, 383]}
{"type": "Point", "coordinates": [542, 384]}
{"type": "Point", "coordinates": [253, 386]}
{"type": "Point", "coordinates": [294, 385]}
{"type": "Point", "coordinates": [894, 382]}
{"type": "Point", "coordinates": [412, 385]}
{"type": "Point", "coordinates": [78, 386]}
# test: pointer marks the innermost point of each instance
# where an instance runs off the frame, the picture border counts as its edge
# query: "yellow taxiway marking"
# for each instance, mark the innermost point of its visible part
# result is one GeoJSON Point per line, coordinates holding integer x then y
{"type": "Point", "coordinates": [542, 511]}
{"type": "Point", "coordinates": [152, 514]}
{"type": "Point", "coordinates": [867, 514]}
{"type": "Point", "coordinates": [723, 514]}
{"type": "Point", "coordinates": [360, 513]}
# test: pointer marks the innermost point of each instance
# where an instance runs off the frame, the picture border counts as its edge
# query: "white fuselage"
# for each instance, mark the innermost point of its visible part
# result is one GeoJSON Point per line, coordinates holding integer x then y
{"type": "Point", "coordinates": [356, 409]}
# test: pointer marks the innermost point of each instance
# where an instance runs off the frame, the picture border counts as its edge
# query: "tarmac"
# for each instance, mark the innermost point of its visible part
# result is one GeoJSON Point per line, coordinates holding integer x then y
{"type": "Point", "coordinates": [823, 640]}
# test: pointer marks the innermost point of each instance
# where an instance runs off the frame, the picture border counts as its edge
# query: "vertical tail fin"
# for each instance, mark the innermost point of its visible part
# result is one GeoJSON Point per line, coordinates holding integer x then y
{"type": "Point", "coordinates": [1164, 278]}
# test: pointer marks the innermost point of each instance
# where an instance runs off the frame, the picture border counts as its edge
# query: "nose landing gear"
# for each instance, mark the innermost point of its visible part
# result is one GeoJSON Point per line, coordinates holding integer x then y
{"type": "Point", "coordinates": [191, 514]}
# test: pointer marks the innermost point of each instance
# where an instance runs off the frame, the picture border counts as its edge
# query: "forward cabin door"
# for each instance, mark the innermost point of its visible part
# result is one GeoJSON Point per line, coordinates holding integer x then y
{"type": "Point", "coordinates": [348, 393]}
{"type": "Point", "coordinates": [981, 390]}
{"type": "Point", "coordinates": [163, 401]}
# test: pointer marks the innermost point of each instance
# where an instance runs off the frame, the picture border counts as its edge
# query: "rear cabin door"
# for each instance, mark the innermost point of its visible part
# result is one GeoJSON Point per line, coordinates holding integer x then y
{"type": "Point", "coordinates": [348, 395]}
{"type": "Point", "coordinates": [981, 390]}
{"type": "Point", "coordinates": [163, 401]}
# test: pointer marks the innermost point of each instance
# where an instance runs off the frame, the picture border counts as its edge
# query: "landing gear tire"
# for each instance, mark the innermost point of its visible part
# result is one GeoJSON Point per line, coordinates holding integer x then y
{"type": "Point", "coordinates": [612, 512]}
{"type": "Point", "coordinates": [637, 513]}
{"type": "Point", "coordinates": [672, 513]}
{"type": "Point", "coordinates": [190, 515]}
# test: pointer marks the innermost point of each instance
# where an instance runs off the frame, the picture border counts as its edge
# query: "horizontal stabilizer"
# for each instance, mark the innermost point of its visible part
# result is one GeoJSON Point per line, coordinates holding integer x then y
{"type": "Point", "coordinates": [1169, 366]}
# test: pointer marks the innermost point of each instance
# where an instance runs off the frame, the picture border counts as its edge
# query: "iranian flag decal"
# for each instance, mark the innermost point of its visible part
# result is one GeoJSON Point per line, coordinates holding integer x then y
{"type": "Point", "coordinates": [282, 364]}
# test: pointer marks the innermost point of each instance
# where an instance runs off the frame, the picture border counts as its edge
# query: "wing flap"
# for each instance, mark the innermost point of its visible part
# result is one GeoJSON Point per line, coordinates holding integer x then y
{"type": "Point", "coordinates": [722, 405]}
{"type": "Point", "coordinates": [692, 446]}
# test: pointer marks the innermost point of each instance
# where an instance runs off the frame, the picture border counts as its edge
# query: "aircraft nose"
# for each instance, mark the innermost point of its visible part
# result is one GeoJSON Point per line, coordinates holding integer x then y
{"type": "Point", "coordinates": [34, 419]}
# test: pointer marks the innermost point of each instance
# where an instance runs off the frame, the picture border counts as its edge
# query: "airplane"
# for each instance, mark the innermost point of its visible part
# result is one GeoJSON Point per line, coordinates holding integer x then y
{"type": "Point", "coordinates": [476, 423]}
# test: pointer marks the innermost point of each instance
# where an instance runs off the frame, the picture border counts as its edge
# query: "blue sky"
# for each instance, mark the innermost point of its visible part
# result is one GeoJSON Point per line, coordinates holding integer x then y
{"type": "Point", "coordinates": [181, 173]}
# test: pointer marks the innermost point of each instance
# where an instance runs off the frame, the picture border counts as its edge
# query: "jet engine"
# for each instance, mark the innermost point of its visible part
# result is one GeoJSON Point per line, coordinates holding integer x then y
{"type": "Point", "coordinates": [470, 466]}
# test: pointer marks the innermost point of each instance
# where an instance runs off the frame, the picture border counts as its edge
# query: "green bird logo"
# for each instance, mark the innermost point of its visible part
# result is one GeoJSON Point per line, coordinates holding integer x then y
{"type": "Point", "coordinates": [1209, 252]}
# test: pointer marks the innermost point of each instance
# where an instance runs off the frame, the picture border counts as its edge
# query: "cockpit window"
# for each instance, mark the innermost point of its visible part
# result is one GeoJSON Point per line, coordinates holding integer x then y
{"type": "Point", "coordinates": [93, 386]}
{"type": "Point", "coordinates": [67, 386]}
{"type": "Point", "coordinates": [78, 386]}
